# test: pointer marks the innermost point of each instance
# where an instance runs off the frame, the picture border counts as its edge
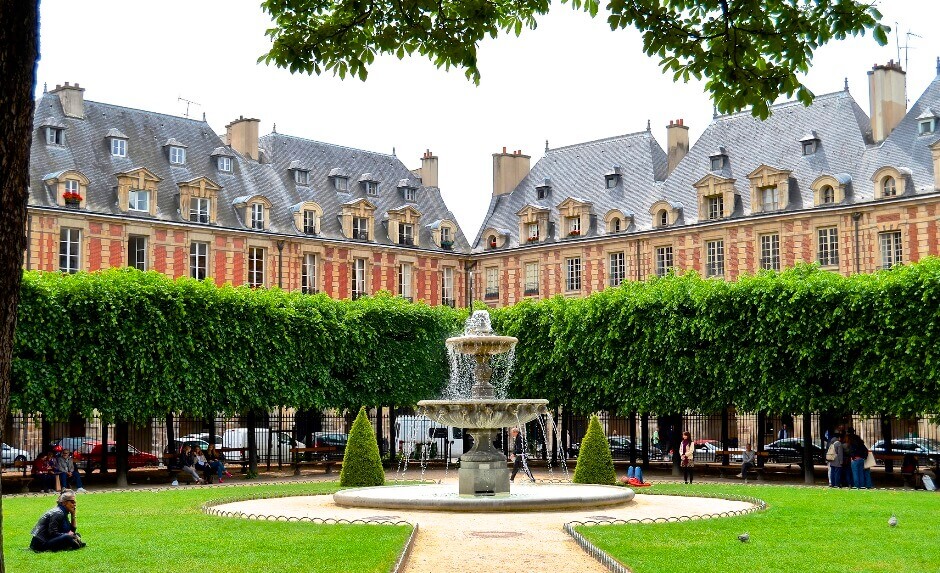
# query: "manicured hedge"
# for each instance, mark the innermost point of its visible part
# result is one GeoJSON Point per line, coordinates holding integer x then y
{"type": "Point", "coordinates": [135, 345]}
{"type": "Point", "coordinates": [595, 462]}
{"type": "Point", "coordinates": [362, 463]}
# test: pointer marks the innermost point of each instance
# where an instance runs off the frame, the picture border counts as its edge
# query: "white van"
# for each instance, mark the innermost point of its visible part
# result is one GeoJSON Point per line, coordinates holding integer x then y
{"type": "Point", "coordinates": [412, 430]}
{"type": "Point", "coordinates": [270, 443]}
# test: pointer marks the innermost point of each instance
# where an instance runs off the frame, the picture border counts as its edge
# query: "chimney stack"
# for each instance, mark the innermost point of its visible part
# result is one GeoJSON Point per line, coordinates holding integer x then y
{"type": "Point", "coordinates": [677, 143]}
{"type": "Point", "coordinates": [887, 92]}
{"type": "Point", "coordinates": [428, 170]}
{"type": "Point", "coordinates": [242, 136]}
{"type": "Point", "coordinates": [72, 99]}
{"type": "Point", "coordinates": [508, 170]}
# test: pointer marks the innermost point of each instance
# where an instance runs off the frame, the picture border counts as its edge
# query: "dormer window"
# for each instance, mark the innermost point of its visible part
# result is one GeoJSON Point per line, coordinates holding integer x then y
{"type": "Point", "coordinates": [447, 239]}
{"type": "Point", "coordinates": [177, 155]}
{"type": "Point", "coordinates": [612, 178]}
{"type": "Point", "coordinates": [341, 183]}
{"type": "Point", "coordinates": [573, 225]}
{"type": "Point", "coordinates": [491, 242]}
{"type": "Point", "coordinates": [827, 195]}
{"type": "Point", "coordinates": [663, 218]}
{"type": "Point", "coordinates": [118, 147]}
{"type": "Point", "coordinates": [224, 164]}
{"type": "Point", "coordinates": [716, 207]}
{"type": "Point", "coordinates": [889, 187]}
{"type": "Point", "coordinates": [372, 188]}
{"type": "Point", "coordinates": [719, 159]}
{"type": "Point", "coordinates": [532, 232]}
{"type": "Point", "coordinates": [360, 228]}
{"type": "Point", "coordinates": [926, 122]}
{"type": "Point", "coordinates": [406, 234]}
{"type": "Point", "coordinates": [544, 190]}
{"type": "Point", "coordinates": [809, 147]}
{"type": "Point", "coordinates": [409, 193]}
{"type": "Point", "coordinates": [809, 143]}
{"type": "Point", "coordinates": [768, 197]}
{"type": "Point", "coordinates": [615, 225]}
{"type": "Point", "coordinates": [301, 176]}
{"type": "Point", "coordinates": [55, 136]}
{"type": "Point", "coordinates": [257, 216]}
{"type": "Point", "coordinates": [71, 186]}
{"type": "Point", "coordinates": [138, 200]}
{"type": "Point", "coordinates": [199, 209]}
{"type": "Point", "coordinates": [310, 222]}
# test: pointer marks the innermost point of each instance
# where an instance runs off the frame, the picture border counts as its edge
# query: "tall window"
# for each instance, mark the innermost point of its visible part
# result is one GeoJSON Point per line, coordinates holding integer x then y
{"type": "Point", "coordinates": [138, 200]}
{"type": "Point", "coordinates": [891, 250]}
{"type": "Point", "coordinates": [828, 250]}
{"type": "Point", "coordinates": [770, 252]}
{"type": "Point", "coordinates": [716, 207]}
{"type": "Point", "coordinates": [663, 218]}
{"type": "Point", "coordinates": [257, 216]}
{"type": "Point", "coordinates": [447, 286]}
{"type": "Point", "coordinates": [828, 195]}
{"type": "Point", "coordinates": [404, 281]}
{"type": "Point", "coordinates": [71, 185]}
{"type": "Point", "coordinates": [406, 234]}
{"type": "Point", "coordinates": [531, 279]}
{"type": "Point", "coordinates": [119, 147]}
{"type": "Point", "coordinates": [360, 228]}
{"type": "Point", "coordinates": [177, 155]}
{"type": "Point", "coordinates": [492, 283]}
{"type": "Point", "coordinates": [358, 278]}
{"type": "Point", "coordinates": [198, 260]}
{"type": "Point", "coordinates": [663, 261]}
{"type": "Point", "coordinates": [137, 252]}
{"type": "Point", "coordinates": [225, 164]}
{"type": "Point", "coordinates": [573, 274]}
{"type": "Point", "coordinates": [768, 196]}
{"type": "Point", "coordinates": [618, 268]}
{"type": "Point", "coordinates": [889, 187]}
{"type": "Point", "coordinates": [715, 258]}
{"type": "Point", "coordinates": [70, 250]}
{"type": "Point", "coordinates": [310, 222]}
{"type": "Point", "coordinates": [255, 266]}
{"type": "Point", "coordinates": [308, 274]}
{"type": "Point", "coordinates": [199, 209]}
{"type": "Point", "coordinates": [372, 188]}
{"type": "Point", "coordinates": [615, 225]}
{"type": "Point", "coordinates": [445, 237]}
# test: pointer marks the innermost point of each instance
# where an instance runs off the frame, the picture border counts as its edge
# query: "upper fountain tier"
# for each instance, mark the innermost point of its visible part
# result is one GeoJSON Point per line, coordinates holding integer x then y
{"type": "Point", "coordinates": [478, 338]}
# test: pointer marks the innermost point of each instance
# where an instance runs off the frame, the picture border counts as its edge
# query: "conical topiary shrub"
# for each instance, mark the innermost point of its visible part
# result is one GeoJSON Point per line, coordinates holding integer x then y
{"type": "Point", "coordinates": [362, 464]}
{"type": "Point", "coordinates": [595, 464]}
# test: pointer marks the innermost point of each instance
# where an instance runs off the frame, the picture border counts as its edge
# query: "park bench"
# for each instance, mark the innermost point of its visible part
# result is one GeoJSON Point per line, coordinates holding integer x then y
{"type": "Point", "coordinates": [18, 480]}
{"type": "Point", "coordinates": [300, 456]}
{"type": "Point", "coordinates": [732, 469]}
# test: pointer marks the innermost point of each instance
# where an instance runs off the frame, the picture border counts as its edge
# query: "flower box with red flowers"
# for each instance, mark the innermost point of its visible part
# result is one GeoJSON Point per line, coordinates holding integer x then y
{"type": "Point", "coordinates": [71, 198]}
{"type": "Point", "coordinates": [532, 240]}
{"type": "Point", "coordinates": [574, 233]}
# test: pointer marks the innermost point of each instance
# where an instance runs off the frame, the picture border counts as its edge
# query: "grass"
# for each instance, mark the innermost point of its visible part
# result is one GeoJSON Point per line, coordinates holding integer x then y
{"type": "Point", "coordinates": [815, 530]}
{"type": "Point", "coordinates": [150, 531]}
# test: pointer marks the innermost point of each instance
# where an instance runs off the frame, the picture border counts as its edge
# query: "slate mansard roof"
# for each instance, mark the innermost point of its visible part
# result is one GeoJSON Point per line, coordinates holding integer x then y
{"type": "Point", "coordinates": [844, 151]}
{"type": "Point", "coordinates": [578, 171]}
{"type": "Point", "coordinates": [87, 149]}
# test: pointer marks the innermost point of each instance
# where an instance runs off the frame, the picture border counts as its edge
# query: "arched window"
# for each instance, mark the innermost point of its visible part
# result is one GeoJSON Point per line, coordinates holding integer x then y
{"type": "Point", "coordinates": [828, 194]}
{"type": "Point", "coordinates": [615, 225]}
{"type": "Point", "coordinates": [663, 218]}
{"type": "Point", "coordinates": [491, 241]}
{"type": "Point", "coordinates": [889, 187]}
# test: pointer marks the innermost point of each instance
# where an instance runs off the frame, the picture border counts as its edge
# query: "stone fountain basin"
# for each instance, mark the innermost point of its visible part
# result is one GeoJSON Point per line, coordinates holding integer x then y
{"type": "Point", "coordinates": [487, 345]}
{"type": "Point", "coordinates": [523, 498]}
{"type": "Point", "coordinates": [483, 413]}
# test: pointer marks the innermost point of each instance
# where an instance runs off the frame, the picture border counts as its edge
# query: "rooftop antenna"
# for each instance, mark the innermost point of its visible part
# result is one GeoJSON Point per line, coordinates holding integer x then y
{"type": "Point", "coordinates": [188, 101]}
{"type": "Point", "coordinates": [907, 46]}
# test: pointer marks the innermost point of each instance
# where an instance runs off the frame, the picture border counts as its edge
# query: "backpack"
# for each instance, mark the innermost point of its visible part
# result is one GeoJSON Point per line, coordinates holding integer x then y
{"type": "Point", "coordinates": [928, 483]}
{"type": "Point", "coordinates": [832, 452]}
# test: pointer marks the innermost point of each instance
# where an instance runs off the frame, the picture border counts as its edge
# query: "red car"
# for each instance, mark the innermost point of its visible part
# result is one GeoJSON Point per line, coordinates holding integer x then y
{"type": "Point", "coordinates": [92, 460]}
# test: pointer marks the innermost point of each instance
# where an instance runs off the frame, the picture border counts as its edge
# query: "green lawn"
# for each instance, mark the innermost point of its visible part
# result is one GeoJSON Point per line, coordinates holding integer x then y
{"type": "Point", "coordinates": [146, 531]}
{"type": "Point", "coordinates": [815, 530]}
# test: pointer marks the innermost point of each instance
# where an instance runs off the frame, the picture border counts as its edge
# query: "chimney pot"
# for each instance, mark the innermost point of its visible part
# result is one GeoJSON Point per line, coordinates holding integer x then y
{"type": "Point", "coordinates": [504, 149]}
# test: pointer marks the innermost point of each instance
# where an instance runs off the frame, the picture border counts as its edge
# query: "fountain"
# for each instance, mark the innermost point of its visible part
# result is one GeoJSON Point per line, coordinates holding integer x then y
{"type": "Point", "coordinates": [483, 475]}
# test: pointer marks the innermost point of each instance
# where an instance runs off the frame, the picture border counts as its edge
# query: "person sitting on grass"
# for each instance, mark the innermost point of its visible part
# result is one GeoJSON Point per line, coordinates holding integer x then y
{"type": "Point", "coordinates": [56, 529]}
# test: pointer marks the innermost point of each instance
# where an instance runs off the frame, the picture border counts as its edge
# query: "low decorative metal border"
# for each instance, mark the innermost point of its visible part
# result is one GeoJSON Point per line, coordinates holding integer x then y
{"type": "Point", "coordinates": [615, 566]}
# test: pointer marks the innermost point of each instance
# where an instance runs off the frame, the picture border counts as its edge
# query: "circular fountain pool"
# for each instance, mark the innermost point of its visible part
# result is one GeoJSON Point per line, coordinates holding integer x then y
{"type": "Point", "coordinates": [523, 498]}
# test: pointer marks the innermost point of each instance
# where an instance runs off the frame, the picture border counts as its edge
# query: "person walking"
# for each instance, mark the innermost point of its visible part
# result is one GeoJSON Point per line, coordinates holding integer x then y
{"type": "Point", "coordinates": [834, 457]}
{"type": "Point", "coordinates": [686, 455]}
{"type": "Point", "coordinates": [56, 529]}
{"type": "Point", "coordinates": [518, 456]}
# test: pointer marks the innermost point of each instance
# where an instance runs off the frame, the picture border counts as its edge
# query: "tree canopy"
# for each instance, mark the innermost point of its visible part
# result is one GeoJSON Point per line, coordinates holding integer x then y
{"type": "Point", "coordinates": [750, 52]}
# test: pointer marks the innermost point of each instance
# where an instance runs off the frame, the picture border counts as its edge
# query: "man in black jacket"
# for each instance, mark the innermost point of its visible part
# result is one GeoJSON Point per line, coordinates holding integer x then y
{"type": "Point", "coordinates": [518, 456]}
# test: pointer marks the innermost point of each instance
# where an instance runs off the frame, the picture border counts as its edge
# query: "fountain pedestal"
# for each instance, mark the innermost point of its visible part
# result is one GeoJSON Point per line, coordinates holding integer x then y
{"type": "Point", "coordinates": [483, 469]}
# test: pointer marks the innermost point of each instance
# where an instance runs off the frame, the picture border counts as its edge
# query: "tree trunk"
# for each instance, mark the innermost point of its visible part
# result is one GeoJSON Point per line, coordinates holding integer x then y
{"type": "Point", "coordinates": [121, 435]}
{"type": "Point", "coordinates": [809, 475]}
{"type": "Point", "coordinates": [19, 51]}
{"type": "Point", "coordinates": [252, 444]}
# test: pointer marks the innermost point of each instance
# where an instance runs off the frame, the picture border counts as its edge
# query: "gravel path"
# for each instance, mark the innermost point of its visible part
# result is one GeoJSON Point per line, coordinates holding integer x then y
{"type": "Point", "coordinates": [488, 542]}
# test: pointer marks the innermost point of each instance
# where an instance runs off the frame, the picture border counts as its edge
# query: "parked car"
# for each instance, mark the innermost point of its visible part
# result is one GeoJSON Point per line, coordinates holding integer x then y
{"type": "Point", "coordinates": [330, 440]}
{"type": "Point", "coordinates": [177, 445]}
{"type": "Point", "coordinates": [620, 448]}
{"type": "Point", "coordinates": [92, 460]}
{"type": "Point", "coordinates": [204, 436]}
{"type": "Point", "coordinates": [73, 444]}
{"type": "Point", "coordinates": [272, 445]}
{"type": "Point", "coordinates": [12, 455]}
{"type": "Point", "coordinates": [927, 450]}
{"type": "Point", "coordinates": [706, 451]}
{"type": "Point", "coordinates": [790, 451]}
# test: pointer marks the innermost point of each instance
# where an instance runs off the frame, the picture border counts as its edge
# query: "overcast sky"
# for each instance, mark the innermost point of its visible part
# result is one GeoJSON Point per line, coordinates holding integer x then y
{"type": "Point", "coordinates": [571, 80]}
